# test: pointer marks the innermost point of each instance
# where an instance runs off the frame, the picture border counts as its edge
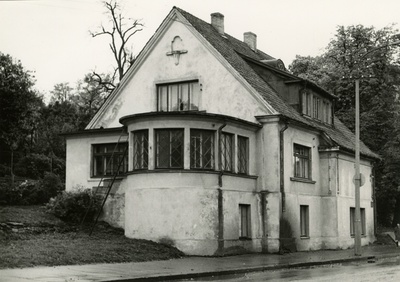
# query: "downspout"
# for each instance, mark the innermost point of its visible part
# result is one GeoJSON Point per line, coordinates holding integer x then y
{"type": "Point", "coordinates": [282, 164]}
{"type": "Point", "coordinates": [220, 155]}
{"type": "Point", "coordinates": [220, 195]}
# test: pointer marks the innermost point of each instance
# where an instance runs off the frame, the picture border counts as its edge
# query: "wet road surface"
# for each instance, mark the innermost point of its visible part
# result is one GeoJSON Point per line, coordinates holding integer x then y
{"type": "Point", "coordinates": [381, 270]}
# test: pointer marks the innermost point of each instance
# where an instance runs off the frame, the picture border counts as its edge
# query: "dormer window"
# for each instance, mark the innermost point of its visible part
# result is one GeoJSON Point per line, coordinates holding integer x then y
{"type": "Point", "coordinates": [316, 107]}
{"type": "Point", "coordinates": [182, 96]}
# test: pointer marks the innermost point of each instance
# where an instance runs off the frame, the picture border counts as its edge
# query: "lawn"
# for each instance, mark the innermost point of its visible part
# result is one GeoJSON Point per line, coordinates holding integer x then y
{"type": "Point", "coordinates": [31, 237]}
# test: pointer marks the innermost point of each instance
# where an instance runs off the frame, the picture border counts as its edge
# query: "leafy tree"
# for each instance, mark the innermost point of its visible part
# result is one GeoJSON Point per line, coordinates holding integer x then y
{"type": "Point", "coordinates": [89, 97]}
{"type": "Point", "coordinates": [61, 93]}
{"type": "Point", "coordinates": [120, 30]}
{"type": "Point", "coordinates": [364, 53]}
{"type": "Point", "coordinates": [19, 108]}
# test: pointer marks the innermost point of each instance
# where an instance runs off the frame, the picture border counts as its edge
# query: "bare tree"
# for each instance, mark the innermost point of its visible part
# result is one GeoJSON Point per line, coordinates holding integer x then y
{"type": "Point", "coordinates": [120, 30]}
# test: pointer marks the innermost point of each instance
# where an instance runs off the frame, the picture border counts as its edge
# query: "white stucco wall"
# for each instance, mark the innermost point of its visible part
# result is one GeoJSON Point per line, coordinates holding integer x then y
{"type": "Point", "coordinates": [78, 173]}
{"type": "Point", "coordinates": [221, 92]}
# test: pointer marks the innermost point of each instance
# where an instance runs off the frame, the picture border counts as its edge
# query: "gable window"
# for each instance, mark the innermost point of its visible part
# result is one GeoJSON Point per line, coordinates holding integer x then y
{"type": "Point", "coordinates": [244, 221]}
{"type": "Point", "coordinates": [243, 154]}
{"type": "Point", "coordinates": [302, 161]}
{"type": "Point", "coordinates": [227, 152]}
{"type": "Point", "coordinates": [304, 221]}
{"type": "Point", "coordinates": [169, 148]}
{"type": "Point", "coordinates": [316, 107]}
{"type": "Point", "coordinates": [140, 149]}
{"type": "Point", "coordinates": [201, 149]}
{"type": "Point", "coordinates": [106, 159]}
{"type": "Point", "coordinates": [183, 96]}
{"type": "Point", "coordinates": [353, 221]}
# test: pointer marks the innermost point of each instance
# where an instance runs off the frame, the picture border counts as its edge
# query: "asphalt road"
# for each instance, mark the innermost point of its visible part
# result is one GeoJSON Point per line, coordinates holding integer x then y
{"type": "Point", "coordinates": [380, 270]}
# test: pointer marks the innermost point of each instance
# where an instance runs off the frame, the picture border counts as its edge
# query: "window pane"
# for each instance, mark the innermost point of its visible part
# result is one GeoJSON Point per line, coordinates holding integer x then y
{"type": "Point", "coordinates": [163, 149]}
{"type": "Point", "coordinates": [242, 154]}
{"type": "Point", "coordinates": [169, 148]}
{"type": "Point", "coordinates": [226, 152]}
{"type": "Point", "coordinates": [162, 98]}
{"type": "Point", "coordinates": [140, 149]}
{"type": "Point", "coordinates": [174, 97]}
{"type": "Point", "coordinates": [201, 149]}
{"type": "Point", "coordinates": [184, 105]}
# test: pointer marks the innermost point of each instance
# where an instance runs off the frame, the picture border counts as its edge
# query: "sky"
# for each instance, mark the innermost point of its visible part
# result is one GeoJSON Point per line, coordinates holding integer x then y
{"type": "Point", "coordinates": [51, 37]}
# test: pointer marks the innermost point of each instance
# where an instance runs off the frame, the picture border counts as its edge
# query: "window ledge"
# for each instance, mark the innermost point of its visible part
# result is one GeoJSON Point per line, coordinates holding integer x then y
{"type": "Point", "coordinates": [362, 236]}
{"type": "Point", "coordinates": [245, 239]}
{"type": "Point", "coordinates": [304, 180]}
{"type": "Point", "coordinates": [179, 170]}
{"type": "Point", "coordinates": [304, 237]}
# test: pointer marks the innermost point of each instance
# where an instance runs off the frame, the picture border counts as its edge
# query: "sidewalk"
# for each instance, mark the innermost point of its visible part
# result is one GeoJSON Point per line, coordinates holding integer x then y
{"type": "Point", "coordinates": [192, 267]}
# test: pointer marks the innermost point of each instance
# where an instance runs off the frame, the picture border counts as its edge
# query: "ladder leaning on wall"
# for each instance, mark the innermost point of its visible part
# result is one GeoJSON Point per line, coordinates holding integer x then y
{"type": "Point", "coordinates": [110, 181]}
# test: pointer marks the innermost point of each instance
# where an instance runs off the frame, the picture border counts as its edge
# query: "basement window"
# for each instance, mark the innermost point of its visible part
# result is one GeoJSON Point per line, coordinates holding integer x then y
{"type": "Point", "coordinates": [244, 222]}
{"type": "Point", "coordinates": [304, 222]}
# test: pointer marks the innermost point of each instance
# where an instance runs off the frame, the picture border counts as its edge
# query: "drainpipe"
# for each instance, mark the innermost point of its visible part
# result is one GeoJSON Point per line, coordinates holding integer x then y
{"type": "Point", "coordinates": [220, 196]}
{"type": "Point", "coordinates": [282, 164]}
{"type": "Point", "coordinates": [219, 154]}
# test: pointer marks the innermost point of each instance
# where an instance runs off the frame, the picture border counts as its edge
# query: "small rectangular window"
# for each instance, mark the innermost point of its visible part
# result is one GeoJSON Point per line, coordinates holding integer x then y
{"type": "Point", "coordinates": [243, 154]}
{"type": "Point", "coordinates": [107, 157]}
{"type": "Point", "coordinates": [227, 152]}
{"type": "Point", "coordinates": [182, 96]}
{"type": "Point", "coordinates": [169, 148]}
{"type": "Point", "coordinates": [140, 149]}
{"type": "Point", "coordinates": [201, 149]}
{"type": "Point", "coordinates": [353, 221]}
{"type": "Point", "coordinates": [304, 221]}
{"type": "Point", "coordinates": [244, 221]}
{"type": "Point", "coordinates": [302, 161]}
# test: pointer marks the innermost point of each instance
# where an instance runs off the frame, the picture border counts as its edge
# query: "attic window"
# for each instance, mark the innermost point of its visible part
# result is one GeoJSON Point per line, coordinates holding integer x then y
{"type": "Point", "coordinates": [182, 96]}
{"type": "Point", "coordinates": [316, 107]}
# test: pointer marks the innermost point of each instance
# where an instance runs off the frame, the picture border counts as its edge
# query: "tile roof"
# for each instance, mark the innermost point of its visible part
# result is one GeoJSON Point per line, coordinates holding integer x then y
{"type": "Point", "coordinates": [233, 51]}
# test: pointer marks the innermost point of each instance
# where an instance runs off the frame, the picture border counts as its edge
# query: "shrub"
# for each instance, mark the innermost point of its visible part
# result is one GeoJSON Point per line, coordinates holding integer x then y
{"type": "Point", "coordinates": [72, 206]}
{"type": "Point", "coordinates": [31, 192]}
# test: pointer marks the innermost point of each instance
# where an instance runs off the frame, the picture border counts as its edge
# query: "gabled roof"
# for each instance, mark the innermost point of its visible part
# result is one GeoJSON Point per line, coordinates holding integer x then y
{"type": "Point", "coordinates": [237, 54]}
{"type": "Point", "coordinates": [234, 51]}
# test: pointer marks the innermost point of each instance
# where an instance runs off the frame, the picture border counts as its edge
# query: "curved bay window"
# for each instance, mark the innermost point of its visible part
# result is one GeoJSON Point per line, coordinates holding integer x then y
{"type": "Point", "coordinates": [169, 148]}
{"type": "Point", "coordinates": [107, 157]}
{"type": "Point", "coordinates": [201, 149]}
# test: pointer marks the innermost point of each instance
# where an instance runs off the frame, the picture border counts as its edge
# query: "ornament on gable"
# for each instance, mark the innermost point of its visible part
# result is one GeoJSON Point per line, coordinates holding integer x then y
{"type": "Point", "coordinates": [176, 49]}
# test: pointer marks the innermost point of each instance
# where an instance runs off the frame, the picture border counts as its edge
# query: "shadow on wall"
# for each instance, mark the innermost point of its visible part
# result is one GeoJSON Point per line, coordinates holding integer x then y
{"type": "Point", "coordinates": [287, 243]}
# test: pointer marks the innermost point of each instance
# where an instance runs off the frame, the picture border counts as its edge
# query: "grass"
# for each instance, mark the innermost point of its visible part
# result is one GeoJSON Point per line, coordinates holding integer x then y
{"type": "Point", "coordinates": [31, 237]}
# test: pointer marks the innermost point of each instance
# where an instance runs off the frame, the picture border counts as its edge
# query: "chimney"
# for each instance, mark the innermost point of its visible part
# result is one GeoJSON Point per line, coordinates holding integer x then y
{"type": "Point", "coordinates": [217, 21]}
{"type": "Point", "coordinates": [251, 40]}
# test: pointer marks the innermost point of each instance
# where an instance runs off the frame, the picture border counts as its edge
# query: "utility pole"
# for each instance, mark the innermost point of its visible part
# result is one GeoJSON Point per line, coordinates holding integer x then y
{"type": "Point", "coordinates": [357, 177]}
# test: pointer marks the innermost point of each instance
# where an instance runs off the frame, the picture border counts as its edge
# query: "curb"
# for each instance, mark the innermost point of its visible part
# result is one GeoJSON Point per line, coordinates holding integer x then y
{"type": "Point", "coordinates": [253, 269]}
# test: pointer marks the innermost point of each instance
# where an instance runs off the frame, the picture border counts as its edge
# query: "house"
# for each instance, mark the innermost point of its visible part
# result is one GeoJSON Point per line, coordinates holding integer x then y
{"type": "Point", "coordinates": [227, 150]}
